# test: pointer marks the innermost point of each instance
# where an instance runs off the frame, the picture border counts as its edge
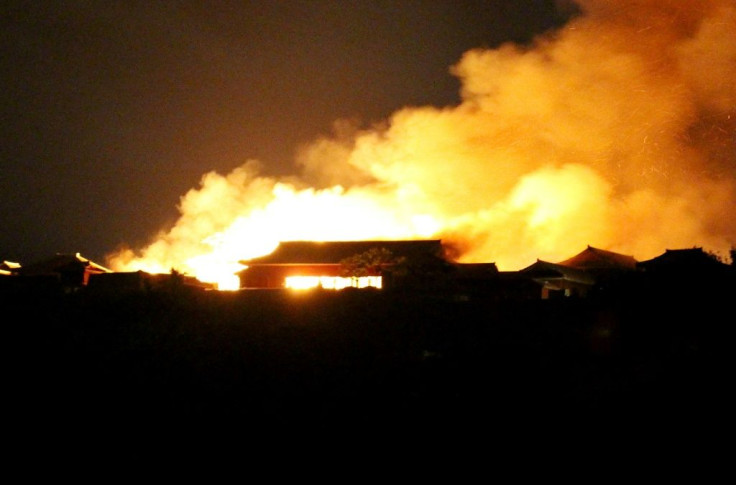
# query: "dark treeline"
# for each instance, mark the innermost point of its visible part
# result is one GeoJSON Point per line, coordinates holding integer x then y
{"type": "Point", "coordinates": [371, 357]}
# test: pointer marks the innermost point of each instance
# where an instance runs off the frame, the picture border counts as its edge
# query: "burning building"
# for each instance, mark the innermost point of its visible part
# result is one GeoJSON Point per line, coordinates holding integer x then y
{"type": "Point", "coordinates": [391, 264]}
{"type": "Point", "coordinates": [339, 264]}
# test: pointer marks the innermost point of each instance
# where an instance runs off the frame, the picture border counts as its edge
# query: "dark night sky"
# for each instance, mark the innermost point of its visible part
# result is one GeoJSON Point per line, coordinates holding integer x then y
{"type": "Point", "coordinates": [111, 110]}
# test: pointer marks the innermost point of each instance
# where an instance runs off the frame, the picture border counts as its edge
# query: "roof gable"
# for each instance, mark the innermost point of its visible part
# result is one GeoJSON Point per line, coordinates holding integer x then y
{"type": "Point", "coordinates": [594, 258]}
{"type": "Point", "coordinates": [544, 270]}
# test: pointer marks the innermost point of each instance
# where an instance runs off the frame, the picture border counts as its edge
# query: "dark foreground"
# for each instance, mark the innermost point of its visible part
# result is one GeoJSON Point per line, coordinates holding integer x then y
{"type": "Point", "coordinates": [365, 358]}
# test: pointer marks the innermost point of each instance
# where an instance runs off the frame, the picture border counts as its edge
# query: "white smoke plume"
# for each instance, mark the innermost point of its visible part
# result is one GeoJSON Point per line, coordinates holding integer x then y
{"type": "Point", "coordinates": [618, 130]}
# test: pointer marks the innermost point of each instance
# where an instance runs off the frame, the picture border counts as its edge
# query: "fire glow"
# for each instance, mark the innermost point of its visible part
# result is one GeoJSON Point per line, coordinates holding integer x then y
{"type": "Point", "coordinates": [610, 132]}
{"type": "Point", "coordinates": [333, 282]}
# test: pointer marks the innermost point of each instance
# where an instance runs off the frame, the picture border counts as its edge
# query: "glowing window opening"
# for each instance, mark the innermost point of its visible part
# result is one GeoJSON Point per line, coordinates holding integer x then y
{"type": "Point", "coordinates": [332, 282]}
{"type": "Point", "coordinates": [228, 283]}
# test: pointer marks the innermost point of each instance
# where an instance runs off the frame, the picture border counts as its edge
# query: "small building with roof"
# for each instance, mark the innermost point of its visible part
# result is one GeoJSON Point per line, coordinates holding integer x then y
{"type": "Point", "coordinates": [71, 271]}
{"type": "Point", "coordinates": [688, 272]}
{"type": "Point", "coordinates": [692, 260]}
{"type": "Point", "coordinates": [576, 276]}
{"type": "Point", "coordinates": [141, 281]}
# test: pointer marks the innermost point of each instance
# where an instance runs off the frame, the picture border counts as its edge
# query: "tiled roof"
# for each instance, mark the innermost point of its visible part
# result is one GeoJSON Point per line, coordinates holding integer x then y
{"type": "Point", "coordinates": [594, 258]}
{"type": "Point", "coordinates": [333, 252]}
{"type": "Point", "coordinates": [684, 259]}
{"type": "Point", "coordinates": [544, 270]}
{"type": "Point", "coordinates": [61, 262]}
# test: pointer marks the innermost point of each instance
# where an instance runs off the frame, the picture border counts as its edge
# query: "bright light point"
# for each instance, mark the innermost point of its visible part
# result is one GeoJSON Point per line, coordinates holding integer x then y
{"type": "Point", "coordinates": [228, 283]}
{"type": "Point", "coordinates": [425, 225]}
{"type": "Point", "coordinates": [210, 269]}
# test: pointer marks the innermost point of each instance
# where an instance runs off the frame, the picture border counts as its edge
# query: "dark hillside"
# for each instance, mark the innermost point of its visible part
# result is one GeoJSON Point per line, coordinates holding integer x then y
{"type": "Point", "coordinates": [363, 357]}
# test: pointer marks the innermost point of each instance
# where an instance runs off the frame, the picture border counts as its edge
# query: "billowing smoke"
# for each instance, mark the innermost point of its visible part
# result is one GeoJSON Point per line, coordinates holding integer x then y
{"type": "Point", "coordinates": [618, 131]}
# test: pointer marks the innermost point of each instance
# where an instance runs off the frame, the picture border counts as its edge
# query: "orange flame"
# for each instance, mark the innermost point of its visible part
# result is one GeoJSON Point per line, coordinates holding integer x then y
{"type": "Point", "coordinates": [610, 132]}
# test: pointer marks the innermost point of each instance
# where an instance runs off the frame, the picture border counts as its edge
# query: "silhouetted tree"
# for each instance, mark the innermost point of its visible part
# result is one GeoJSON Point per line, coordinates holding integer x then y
{"type": "Point", "coordinates": [369, 263]}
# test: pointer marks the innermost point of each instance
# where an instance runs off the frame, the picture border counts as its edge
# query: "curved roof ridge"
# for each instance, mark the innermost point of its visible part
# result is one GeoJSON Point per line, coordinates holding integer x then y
{"type": "Point", "coordinates": [594, 258]}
